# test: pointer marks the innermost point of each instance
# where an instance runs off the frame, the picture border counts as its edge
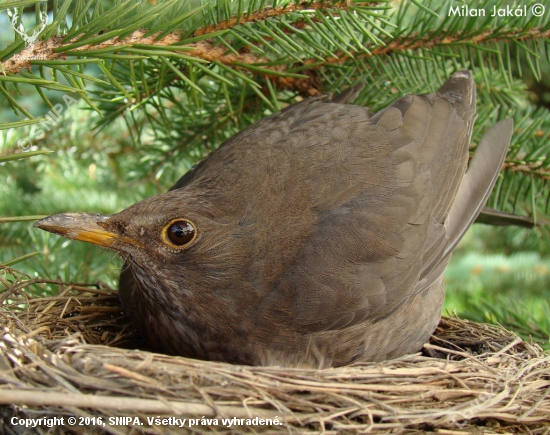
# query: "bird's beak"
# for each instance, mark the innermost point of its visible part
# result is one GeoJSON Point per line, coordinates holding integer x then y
{"type": "Point", "coordinates": [80, 226]}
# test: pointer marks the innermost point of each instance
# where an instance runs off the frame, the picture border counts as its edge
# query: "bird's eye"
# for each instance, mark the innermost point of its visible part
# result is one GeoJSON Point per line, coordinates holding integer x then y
{"type": "Point", "coordinates": [179, 233]}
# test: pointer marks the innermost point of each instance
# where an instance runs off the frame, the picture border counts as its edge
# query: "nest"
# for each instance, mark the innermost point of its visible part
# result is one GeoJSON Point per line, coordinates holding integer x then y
{"type": "Point", "coordinates": [74, 355]}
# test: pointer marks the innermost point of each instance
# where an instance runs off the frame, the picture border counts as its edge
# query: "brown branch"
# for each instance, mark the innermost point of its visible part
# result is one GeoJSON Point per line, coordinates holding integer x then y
{"type": "Point", "coordinates": [46, 50]}
{"type": "Point", "coordinates": [413, 42]}
{"type": "Point", "coordinates": [276, 12]}
{"type": "Point", "coordinates": [532, 169]}
{"type": "Point", "coordinates": [205, 50]}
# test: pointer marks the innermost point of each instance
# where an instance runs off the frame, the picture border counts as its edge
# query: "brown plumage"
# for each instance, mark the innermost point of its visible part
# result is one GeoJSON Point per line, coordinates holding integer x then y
{"type": "Point", "coordinates": [317, 236]}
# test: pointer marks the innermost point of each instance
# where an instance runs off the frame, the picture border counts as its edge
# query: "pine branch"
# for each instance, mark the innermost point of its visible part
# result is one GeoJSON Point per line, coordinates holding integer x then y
{"type": "Point", "coordinates": [54, 49]}
{"type": "Point", "coordinates": [416, 41]}
{"type": "Point", "coordinates": [57, 46]}
{"type": "Point", "coordinates": [270, 12]}
{"type": "Point", "coordinates": [534, 169]}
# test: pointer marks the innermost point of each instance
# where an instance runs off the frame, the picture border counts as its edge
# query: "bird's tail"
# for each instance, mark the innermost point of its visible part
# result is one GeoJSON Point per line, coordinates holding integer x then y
{"type": "Point", "coordinates": [477, 184]}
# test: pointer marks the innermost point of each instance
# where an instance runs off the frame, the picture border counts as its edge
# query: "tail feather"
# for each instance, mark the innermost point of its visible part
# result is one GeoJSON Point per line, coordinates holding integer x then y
{"type": "Point", "coordinates": [477, 184]}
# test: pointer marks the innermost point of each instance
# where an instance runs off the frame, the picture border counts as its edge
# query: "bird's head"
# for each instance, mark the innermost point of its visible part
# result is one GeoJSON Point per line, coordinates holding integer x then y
{"type": "Point", "coordinates": [181, 253]}
{"type": "Point", "coordinates": [176, 234]}
{"type": "Point", "coordinates": [157, 227]}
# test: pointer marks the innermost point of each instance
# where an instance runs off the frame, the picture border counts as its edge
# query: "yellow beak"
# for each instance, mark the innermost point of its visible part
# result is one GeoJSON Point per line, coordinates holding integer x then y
{"type": "Point", "coordinates": [81, 226]}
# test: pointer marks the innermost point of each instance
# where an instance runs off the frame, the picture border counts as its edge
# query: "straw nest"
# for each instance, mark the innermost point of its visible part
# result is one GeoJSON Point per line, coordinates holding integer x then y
{"type": "Point", "coordinates": [74, 355]}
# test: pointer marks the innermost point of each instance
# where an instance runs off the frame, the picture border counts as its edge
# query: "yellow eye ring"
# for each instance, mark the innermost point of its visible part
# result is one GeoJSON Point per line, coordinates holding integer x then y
{"type": "Point", "coordinates": [179, 233]}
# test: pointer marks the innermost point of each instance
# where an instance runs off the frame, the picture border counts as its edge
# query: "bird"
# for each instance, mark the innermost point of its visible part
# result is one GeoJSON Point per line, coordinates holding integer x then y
{"type": "Point", "coordinates": [316, 237]}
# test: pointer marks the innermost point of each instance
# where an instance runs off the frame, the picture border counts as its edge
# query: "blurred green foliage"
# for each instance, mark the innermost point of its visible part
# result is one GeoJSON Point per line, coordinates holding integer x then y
{"type": "Point", "coordinates": [502, 275]}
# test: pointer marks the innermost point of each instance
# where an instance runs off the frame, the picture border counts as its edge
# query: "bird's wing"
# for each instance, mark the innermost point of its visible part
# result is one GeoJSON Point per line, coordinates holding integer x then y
{"type": "Point", "coordinates": [385, 235]}
{"type": "Point", "coordinates": [475, 188]}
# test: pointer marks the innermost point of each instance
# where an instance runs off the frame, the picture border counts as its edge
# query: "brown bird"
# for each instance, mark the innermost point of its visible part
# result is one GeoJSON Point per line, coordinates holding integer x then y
{"type": "Point", "coordinates": [317, 236]}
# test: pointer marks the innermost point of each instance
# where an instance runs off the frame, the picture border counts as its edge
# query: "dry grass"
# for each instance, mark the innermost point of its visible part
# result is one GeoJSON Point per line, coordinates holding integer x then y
{"type": "Point", "coordinates": [71, 355]}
